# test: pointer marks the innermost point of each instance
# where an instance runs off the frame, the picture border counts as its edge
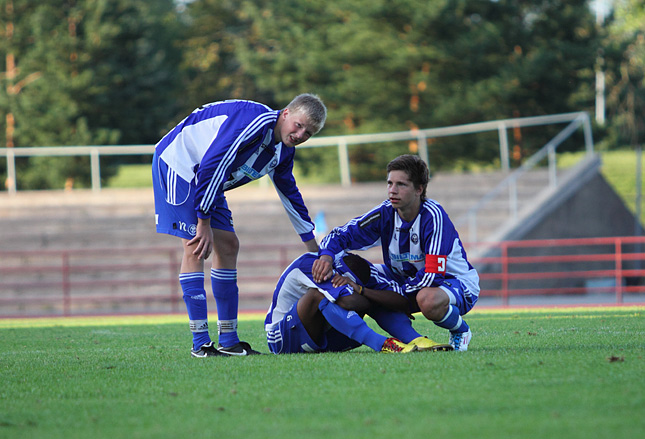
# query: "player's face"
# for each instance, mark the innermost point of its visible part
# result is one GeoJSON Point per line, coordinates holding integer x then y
{"type": "Point", "coordinates": [403, 195]}
{"type": "Point", "coordinates": [293, 129]}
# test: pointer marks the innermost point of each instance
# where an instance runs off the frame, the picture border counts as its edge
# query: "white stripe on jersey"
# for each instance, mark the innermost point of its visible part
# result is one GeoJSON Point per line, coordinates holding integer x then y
{"type": "Point", "coordinates": [219, 176]}
{"type": "Point", "coordinates": [171, 181]}
{"type": "Point", "coordinates": [437, 218]}
{"type": "Point", "coordinates": [295, 285]}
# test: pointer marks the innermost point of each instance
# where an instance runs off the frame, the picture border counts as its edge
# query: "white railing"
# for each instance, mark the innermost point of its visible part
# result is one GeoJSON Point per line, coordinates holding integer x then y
{"type": "Point", "coordinates": [341, 142]}
{"type": "Point", "coordinates": [548, 151]}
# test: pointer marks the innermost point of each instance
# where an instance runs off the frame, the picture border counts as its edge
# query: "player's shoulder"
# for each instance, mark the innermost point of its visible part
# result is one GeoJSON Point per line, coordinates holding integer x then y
{"type": "Point", "coordinates": [306, 259]}
{"type": "Point", "coordinates": [432, 206]}
{"type": "Point", "coordinates": [376, 214]}
{"type": "Point", "coordinates": [235, 107]}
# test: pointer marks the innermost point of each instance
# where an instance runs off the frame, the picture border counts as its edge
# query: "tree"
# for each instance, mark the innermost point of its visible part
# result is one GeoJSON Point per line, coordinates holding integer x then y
{"type": "Point", "coordinates": [106, 74]}
{"type": "Point", "coordinates": [391, 65]}
{"type": "Point", "coordinates": [624, 52]}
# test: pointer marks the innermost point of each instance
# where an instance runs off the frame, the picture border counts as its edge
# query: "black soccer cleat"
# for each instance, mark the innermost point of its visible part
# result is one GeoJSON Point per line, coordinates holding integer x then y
{"type": "Point", "coordinates": [237, 350]}
{"type": "Point", "coordinates": [206, 350]}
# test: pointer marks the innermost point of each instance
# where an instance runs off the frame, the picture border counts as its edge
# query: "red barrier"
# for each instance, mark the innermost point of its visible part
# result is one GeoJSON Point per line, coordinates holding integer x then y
{"type": "Point", "coordinates": [562, 266]}
{"type": "Point", "coordinates": [69, 281]}
{"type": "Point", "coordinates": [64, 281]}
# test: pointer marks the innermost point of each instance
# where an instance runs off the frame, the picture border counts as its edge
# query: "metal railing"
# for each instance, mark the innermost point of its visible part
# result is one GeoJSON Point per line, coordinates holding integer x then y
{"type": "Point", "coordinates": [82, 281]}
{"type": "Point", "coordinates": [340, 142]}
{"type": "Point", "coordinates": [612, 266]}
{"type": "Point", "coordinates": [509, 184]}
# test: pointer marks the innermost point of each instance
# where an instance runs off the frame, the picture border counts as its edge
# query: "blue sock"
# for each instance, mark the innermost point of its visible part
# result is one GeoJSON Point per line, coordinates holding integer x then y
{"type": "Point", "coordinates": [192, 285]}
{"type": "Point", "coordinates": [351, 324]}
{"type": "Point", "coordinates": [224, 282]}
{"type": "Point", "coordinates": [452, 321]}
{"type": "Point", "coordinates": [396, 324]}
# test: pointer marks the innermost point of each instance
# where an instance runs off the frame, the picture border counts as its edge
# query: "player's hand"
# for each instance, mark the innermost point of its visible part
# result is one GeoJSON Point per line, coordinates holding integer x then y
{"type": "Point", "coordinates": [322, 268]}
{"type": "Point", "coordinates": [203, 238]}
{"type": "Point", "coordinates": [339, 280]}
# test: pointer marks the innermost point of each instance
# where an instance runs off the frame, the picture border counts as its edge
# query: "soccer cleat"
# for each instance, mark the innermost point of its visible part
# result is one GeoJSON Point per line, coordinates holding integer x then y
{"type": "Point", "coordinates": [206, 350]}
{"type": "Point", "coordinates": [237, 350]}
{"type": "Point", "coordinates": [460, 340]}
{"type": "Point", "coordinates": [426, 344]}
{"type": "Point", "coordinates": [394, 346]}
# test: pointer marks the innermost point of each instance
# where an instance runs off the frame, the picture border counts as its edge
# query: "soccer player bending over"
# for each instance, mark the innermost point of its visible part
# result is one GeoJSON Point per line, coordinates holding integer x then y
{"type": "Point", "coordinates": [421, 250]}
{"type": "Point", "coordinates": [218, 147]}
{"type": "Point", "coordinates": [309, 316]}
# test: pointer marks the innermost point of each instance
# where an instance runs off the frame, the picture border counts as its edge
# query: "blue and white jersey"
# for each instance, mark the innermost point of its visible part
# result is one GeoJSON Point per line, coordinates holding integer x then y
{"type": "Point", "coordinates": [422, 253]}
{"type": "Point", "coordinates": [297, 279]}
{"type": "Point", "coordinates": [224, 145]}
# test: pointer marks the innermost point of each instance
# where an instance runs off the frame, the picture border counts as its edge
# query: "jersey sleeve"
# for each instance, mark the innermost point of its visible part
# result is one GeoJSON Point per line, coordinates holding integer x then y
{"type": "Point", "coordinates": [360, 233]}
{"type": "Point", "coordinates": [294, 205]}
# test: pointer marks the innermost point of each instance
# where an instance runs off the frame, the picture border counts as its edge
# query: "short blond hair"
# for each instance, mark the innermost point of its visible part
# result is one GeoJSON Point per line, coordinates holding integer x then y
{"type": "Point", "coordinates": [311, 106]}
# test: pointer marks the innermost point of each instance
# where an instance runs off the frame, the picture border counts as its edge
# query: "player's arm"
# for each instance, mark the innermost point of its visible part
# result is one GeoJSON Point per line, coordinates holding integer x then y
{"type": "Point", "coordinates": [360, 233]}
{"type": "Point", "coordinates": [285, 184]}
{"type": "Point", "coordinates": [385, 298]}
{"type": "Point", "coordinates": [312, 245]}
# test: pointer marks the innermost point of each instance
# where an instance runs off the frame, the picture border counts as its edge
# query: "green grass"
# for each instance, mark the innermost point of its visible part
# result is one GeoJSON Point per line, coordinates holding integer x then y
{"type": "Point", "coordinates": [575, 373]}
{"type": "Point", "coordinates": [619, 169]}
{"type": "Point", "coordinates": [131, 176]}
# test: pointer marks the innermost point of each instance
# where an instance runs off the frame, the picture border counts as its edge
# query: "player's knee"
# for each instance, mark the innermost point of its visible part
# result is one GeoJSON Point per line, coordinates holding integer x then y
{"type": "Point", "coordinates": [309, 303]}
{"type": "Point", "coordinates": [226, 247]}
{"type": "Point", "coordinates": [432, 303]}
{"type": "Point", "coordinates": [354, 302]}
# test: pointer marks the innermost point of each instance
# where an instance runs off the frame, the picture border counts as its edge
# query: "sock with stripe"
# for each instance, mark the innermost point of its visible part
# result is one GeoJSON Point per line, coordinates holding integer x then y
{"type": "Point", "coordinates": [225, 291]}
{"type": "Point", "coordinates": [452, 321]}
{"type": "Point", "coordinates": [192, 285]}
{"type": "Point", "coordinates": [351, 324]}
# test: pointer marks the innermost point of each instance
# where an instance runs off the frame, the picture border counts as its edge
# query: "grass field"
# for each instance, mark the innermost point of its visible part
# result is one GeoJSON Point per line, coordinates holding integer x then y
{"type": "Point", "coordinates": [553, 373]}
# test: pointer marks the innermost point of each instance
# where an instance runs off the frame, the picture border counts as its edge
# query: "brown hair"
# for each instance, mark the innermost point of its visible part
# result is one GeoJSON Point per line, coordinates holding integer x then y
{"type": "Point", "coordinates": [416, 169]}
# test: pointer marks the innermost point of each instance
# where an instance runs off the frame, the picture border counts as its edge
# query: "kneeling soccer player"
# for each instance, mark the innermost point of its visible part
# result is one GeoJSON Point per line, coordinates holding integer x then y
{"type": "Point", "coordinates": [421, 249]}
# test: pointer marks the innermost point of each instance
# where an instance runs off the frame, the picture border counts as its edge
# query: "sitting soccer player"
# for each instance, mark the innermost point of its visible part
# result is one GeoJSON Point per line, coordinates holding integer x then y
{"type": "Point", "coordinates": [307, 316]}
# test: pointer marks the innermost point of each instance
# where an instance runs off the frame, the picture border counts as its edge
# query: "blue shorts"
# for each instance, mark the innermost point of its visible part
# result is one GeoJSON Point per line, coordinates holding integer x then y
{"type": "Point", "coordinates": [175, 212]}
{"type": "Point", "coordinates": [291, 337]}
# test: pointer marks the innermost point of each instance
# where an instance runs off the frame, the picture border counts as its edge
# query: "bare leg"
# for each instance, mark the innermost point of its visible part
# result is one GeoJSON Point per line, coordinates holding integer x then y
{"type": "Point", "coordinates": [309, 314]}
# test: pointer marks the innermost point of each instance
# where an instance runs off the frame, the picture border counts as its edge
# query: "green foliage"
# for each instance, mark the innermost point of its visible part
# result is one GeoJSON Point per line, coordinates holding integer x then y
{"type": "Point", "coordinates": [86, 73]}
{"type": "Point", "coordinates": [131, 176]}
{"type": "Point", "coordinates": [388, 66]}
{"type": "Point", "coordinates": [624, 59]}
{"type": "Point", "coordinates": [126, 71]}
{"type": "Point", "coordinates": [571, 373]}
{"type": "Point", "coordinates": [619, 169]}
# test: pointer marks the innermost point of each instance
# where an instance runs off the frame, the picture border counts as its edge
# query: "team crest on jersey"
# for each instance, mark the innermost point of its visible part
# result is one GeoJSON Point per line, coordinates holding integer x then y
{"type": "Point", "coordinates": [192, 229]}
{"type": "Point", "coordinates": [274, 163]}
{"type": "Point", "coordinates": [414, 238]}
